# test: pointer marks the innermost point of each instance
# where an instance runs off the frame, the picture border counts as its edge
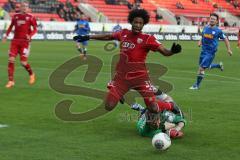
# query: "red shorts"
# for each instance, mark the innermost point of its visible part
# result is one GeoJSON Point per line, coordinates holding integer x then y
{"type": "Point", "coordinates": [21, 47]}
{"type": "Point", "coordinates": [120, 85]}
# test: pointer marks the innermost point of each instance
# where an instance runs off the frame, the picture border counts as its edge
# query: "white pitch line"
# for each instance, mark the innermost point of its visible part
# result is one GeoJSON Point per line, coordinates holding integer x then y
{"type": "Point", "coordinates": [216, 75]}
{"type": "Point", "coordinates": [193, 79]}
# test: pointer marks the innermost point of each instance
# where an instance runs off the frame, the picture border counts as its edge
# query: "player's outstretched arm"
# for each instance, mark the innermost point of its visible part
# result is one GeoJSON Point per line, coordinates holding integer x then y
{"type": "Point", "coordinates": [200, 43]}
{"type": "Point", "coordinates": [102, 37]}
{"type": "Point", "coordinates": [228, 46]}
{"type": "Point", "coordinates": [34, 28]}
{"type": "Point", "coordinates": [8, 32]}
{"type": "Point", "coordinates": [81, 38]}
{"type": "Point", "coordinates": [176, 48]}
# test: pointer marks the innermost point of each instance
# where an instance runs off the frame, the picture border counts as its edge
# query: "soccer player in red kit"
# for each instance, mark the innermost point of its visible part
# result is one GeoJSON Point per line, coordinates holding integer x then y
{"type": "Point", "coordinates": [131, 71]}
{"type": "Point", "coordinates": [25, 26]}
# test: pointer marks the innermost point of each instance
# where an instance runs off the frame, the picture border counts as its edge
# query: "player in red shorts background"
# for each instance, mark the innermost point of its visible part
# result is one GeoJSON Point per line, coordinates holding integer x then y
{"type": "Point", "coordinates": [25, 26]}
{"type": "Point", "coordinates": [131, 71]}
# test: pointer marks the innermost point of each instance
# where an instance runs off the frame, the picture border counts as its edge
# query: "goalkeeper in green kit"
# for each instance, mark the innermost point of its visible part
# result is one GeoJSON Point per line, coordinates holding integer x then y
{"type": "Point", "coordinates": [150, 124]}
{"type": "Point", "coordinates": [168, 122]}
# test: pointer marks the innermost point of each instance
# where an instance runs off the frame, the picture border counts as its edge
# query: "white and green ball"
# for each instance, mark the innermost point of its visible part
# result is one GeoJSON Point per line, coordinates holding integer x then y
{"type": "Point", "coordinates": [161, 141]}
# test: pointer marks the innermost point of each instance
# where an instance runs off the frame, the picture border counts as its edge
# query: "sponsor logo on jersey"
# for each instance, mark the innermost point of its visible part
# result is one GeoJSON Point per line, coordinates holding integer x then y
{"type": "Point", "coordinates": [209, 36]}
{"type": "Point", "coordinates": [128, 45]}
{"type": "Point", "coordinates": [139, 40]}
{"type": "Point", "coordinates": [20, 22]}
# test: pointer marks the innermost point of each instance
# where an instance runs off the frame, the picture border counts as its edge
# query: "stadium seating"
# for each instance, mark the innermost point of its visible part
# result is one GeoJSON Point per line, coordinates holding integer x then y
{"type": "Point", "coordinates": [229, 7]}
{"type": "Point", "coordinates": [201, 9]}
{"type": "Point", "coordinates": [190, 10]}
{"type": "Point", "coordinates": [152, 8]}
{"type": "Point", "coordinates": [113, 12]}
{"type": "Point", "coordinates": [72, 1]}
{"type": "Point", "coordinates": [120, 12]}
{"type": "Point", "coordinates": [45, 16]}
{"type": "Point", "coordinates": [41, 12]}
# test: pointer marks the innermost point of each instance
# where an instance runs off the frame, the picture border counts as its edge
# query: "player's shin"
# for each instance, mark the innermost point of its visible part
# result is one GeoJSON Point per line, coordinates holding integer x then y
{"type": "Point", "coordinates": [157, 106]}
{"type": "Point", "coordinates": [200, 77]}
{"type": "Point", "coordinates": [28, 68]}
{"type": "Point", "coordinates": [212, 66]}
{"type": "Point", "coordinates": [85, 51]}
{"type": "Point", "coordinates": [110, 102]}
{"type": "Point", "coordinates": [11, 71]}
{"type": "Point", "coordinates": [80, 50]}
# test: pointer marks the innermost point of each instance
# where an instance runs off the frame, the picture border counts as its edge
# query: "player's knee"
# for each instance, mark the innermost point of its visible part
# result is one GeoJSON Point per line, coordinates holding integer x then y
{"type": "Point", "coordinates": [110, 105]}
{"type": "Point", "coordinates": [11, 59]}
{"type": "Point", "coordinates": [23, 63]}
{"type": "Point", "coordinates": [78, 45]}
{"type": "Point", "coordinates": [111, 100]}
{"type": "Point", "coordinates": [201, 70]}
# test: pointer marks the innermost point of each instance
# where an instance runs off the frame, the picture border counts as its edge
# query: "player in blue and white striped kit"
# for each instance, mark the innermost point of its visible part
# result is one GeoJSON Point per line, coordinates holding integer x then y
{"type": "Point", "coordinates": [82, 28]}
{"type": "Point", "coordinates": [209, 42]}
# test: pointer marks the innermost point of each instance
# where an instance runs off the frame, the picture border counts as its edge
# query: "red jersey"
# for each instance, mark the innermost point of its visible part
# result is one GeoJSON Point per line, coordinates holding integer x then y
{"type": "Point", "coordinates": [239, 35]}
{"type": "Point", "coordinates": [22, 24]}
{"type": "Point", "coordinates": [133, 51]}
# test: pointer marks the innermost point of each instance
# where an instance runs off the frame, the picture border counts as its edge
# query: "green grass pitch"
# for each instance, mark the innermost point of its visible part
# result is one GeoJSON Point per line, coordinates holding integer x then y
{"type": "Point", "coordinates": [35, 133]}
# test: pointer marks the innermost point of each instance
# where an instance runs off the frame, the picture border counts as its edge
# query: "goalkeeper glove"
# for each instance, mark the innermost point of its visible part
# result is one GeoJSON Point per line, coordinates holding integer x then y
{"type": "Point", "coordinates": [176, 48]}
{"type": "Point", "coordinates": [81, 38]}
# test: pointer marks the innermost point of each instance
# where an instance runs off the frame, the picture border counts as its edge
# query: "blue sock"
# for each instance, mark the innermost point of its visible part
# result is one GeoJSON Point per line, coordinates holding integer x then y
{"type": "Point", "coordinates": [199, 79]}
{"type": "Point", "coordinates": [214, 66]}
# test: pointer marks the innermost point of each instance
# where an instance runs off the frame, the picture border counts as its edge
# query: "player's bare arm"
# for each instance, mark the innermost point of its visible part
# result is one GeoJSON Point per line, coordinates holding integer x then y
{"type": "Point", "coordinates": [200, 43]}
{"type": "Point", "coordinates": [228, 46]}
{"type": "Point", "coordinates": [8, 32]}
{"type": "Point", "coordinates": [81, 38]}
{"type": "Point", "coordinates": [102, 37]}
{"type": "Point", "coordinates": [33, 28]}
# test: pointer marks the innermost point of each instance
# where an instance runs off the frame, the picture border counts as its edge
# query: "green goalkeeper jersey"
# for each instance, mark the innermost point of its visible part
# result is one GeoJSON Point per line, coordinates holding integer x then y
{"type": "Point", "coordinates": [145, 130]}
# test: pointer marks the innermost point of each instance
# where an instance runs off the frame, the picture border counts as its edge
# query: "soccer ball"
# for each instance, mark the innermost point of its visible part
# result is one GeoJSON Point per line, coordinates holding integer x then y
{"type": "Point", "coordinates": [161, 141]}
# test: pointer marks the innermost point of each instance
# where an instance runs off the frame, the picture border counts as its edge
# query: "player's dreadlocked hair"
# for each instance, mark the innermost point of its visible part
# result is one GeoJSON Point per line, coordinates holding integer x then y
{"type": "Point", "coordinates": [139, 13]}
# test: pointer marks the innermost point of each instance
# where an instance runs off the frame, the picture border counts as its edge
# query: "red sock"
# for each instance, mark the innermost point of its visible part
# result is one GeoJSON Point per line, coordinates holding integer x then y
{"type": "Point", "coordinates": [28, 68]}
{"type": "Point", "coordinates": [164, 105]}
{"type": "Point", "coordinates": [160, 104]}
{"type": "Point", "coordinates": [10, 71]}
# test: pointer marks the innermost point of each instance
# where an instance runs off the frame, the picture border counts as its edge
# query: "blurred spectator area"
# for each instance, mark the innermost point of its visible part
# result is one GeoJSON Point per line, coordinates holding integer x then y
{"type": "Point", "coordinates": [201, 21]}
{"type": "Point", "coordinates": [47, 10]}
{"type": "Point", "coordinates": [198, 7]}
{"type": "Point", "coordinates": [117, 10]}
